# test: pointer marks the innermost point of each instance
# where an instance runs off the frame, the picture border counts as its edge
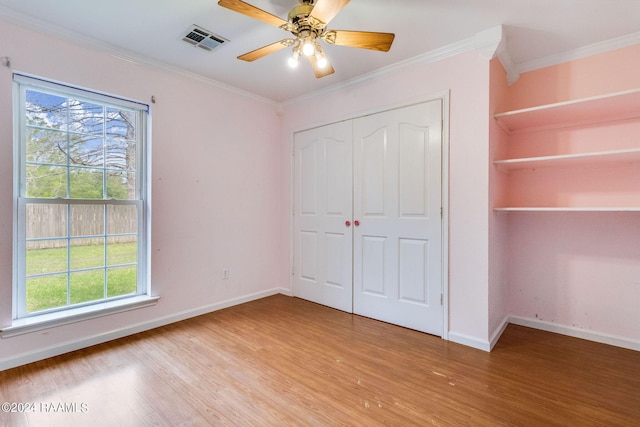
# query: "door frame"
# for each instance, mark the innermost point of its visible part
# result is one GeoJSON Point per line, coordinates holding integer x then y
{"type": "Point", "coordinates": [444, 97]}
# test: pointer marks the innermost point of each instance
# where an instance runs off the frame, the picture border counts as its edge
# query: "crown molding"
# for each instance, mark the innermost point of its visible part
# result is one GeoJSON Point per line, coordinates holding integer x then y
{"type": "Point", "coordinates": [37, 25]}
{"type": "Point", "coordinates": [488, 43]}
{"type": "Point", "coordinates": [492, 43]}
{"type": "Point", "coordinates": [579, 53]}
{"type": "Point", "coordinates": [424, 58]}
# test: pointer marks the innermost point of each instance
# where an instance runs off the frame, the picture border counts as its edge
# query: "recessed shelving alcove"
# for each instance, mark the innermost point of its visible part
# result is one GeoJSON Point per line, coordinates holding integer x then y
{"type": "Point", "coordinates": [605, 179]}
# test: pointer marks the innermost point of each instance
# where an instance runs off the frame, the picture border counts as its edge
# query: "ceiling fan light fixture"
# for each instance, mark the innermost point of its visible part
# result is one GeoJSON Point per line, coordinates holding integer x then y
{"type": "Point", "coordinates": [308, 47]}
{"type": "Point", "coordinates": [321, 60]}
{"type": "Point", "coordinates": [308, 25]}
{"type": "Point", "coordinates": [293, 60]}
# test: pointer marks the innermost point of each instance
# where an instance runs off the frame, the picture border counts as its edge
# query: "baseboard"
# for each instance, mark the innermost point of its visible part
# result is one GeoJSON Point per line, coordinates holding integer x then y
{"type": "Point", "coordinates": [285, 291]}
{"type": "Point", "coordinates": [498, 332]}
{"type": "Point", "coordinates": [576, 332]}
{"type": "Point", "coordinates": [469, 341]}
{"type": "Point", "coordinates": [66, 347]}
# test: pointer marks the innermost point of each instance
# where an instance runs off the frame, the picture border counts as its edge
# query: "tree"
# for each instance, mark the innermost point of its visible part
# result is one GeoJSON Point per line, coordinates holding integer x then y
{"type": "Point", "coordinates": [79, 149]}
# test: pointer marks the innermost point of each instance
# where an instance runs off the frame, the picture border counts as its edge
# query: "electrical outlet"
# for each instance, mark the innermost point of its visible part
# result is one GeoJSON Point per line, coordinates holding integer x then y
{"type": "Point", "coordinates": [225, 273]}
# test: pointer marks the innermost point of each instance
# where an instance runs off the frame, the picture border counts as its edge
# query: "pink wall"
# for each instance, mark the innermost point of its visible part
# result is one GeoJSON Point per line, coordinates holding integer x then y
{"type": "Point", "coordinates": [216, 186]}
{"type": "Point", "coordinates": [466, 76]}
{"type": "Point", "coordinates": [579, 270]}
{"type": "Point", "coordinates": [576, 270]}
{"type": "Point", "coordinates": [608, 72]}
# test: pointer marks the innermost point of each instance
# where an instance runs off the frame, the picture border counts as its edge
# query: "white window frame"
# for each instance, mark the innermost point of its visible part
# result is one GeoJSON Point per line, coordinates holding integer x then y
{"type": "Point", "coordinates": [25, 322]}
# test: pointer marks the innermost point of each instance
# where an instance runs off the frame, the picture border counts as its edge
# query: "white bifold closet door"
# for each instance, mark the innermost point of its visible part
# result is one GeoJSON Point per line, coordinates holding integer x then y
{"type": "Point", "coordinates": [322, 206]}
{"type": "Point", "coordinates": [367, 216]}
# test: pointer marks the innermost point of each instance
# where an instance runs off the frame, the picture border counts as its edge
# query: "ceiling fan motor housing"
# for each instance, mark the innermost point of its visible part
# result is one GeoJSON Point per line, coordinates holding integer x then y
{"type": "Point", "coordinates": [300, 24]}
{"type": "Point", "coordinates": [299, 13]}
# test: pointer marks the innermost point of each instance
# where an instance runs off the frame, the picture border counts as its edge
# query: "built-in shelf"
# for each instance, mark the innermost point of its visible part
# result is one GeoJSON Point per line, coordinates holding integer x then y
{"type": "Point", "coordinates": [553, 117]}
{"type": "Point", "coordinates": [597, 109]}
{"type": "Point", "coordinates": [563, 160]}
{"type": "Point", "coordinates": [569, 209]}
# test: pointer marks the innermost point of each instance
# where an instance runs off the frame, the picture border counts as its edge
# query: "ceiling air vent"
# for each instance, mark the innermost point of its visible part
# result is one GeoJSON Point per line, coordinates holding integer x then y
{"type": "Point", "coordinates": [205, 39]}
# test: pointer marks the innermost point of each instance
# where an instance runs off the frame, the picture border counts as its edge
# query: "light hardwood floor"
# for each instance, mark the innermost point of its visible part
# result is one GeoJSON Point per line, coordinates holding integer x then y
{"type": "Point", "coordinates": [284, 361]}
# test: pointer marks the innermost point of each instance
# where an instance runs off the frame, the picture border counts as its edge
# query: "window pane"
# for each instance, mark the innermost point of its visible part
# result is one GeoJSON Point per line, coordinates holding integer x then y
{"type": "Point", "coordinates": [46, 146]}
{"type": "Point", "coordinates": [46, 220]}
{"type": "Point", "coordinates": [122, 219]}
{"type": "Point", "coordinates": [85, 117]}
{"type": "Point", "coordinates": [121, 123]}
{"type": "Point", "coordinates": [121, 154]}
{"type": "Point", "coordinates": [87, 220]}
{"type": "Point", "coordinates": [86, 253]}
{"type": "Point", "coordinates": [86, 151]}
{"type": "Point", "coordinates": [45, 110]}
{"type": "Point", "coordinates": [122, 250]}
{"type": "Point", "coordinates": [121, 185]}
{"type": "Point", "coordinates": [46, 181]}
{"type": "Point", "coordinates": [46, 256]}
{"type": "Point", "coordinates": [121, 281]}
{"type": "Point", "coordinates": [86, 183]}
{"type": "Point", "coordinates": [46, 292]}
{"type": "Point", "coordinates": [86, 286]}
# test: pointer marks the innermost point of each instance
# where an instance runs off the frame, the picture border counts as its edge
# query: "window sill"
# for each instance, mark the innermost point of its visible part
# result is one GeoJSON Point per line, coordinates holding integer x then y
{"type": "Point", "coordinates": [50, 320]}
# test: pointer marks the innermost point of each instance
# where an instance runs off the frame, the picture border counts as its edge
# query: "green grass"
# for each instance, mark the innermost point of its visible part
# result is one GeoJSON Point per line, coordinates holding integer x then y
{"type": "Point", "coordinates": [51, 291]}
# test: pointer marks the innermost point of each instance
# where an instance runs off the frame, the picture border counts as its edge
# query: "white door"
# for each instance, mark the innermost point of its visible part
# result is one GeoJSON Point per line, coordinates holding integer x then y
{"type": "Point", "coordinates": [397, 206]}
{"type": "Point", "coordinates": [322, 216]}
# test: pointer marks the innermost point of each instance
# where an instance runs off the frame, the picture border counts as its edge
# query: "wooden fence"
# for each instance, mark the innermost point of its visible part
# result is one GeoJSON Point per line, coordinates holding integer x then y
{"type": "Point", "coordinates": [50, 222]}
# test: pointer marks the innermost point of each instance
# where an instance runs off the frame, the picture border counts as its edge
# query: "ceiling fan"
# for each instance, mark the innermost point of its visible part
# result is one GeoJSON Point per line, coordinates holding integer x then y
{"type": "Point", "coordinates": [307, 22]}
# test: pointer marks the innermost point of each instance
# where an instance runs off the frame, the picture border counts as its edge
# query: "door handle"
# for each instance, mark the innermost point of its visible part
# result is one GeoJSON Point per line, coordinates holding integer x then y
{"type": "Point", "coordinates": [356, 223]}
{"type": "Point", "coordinates": [347, 223]}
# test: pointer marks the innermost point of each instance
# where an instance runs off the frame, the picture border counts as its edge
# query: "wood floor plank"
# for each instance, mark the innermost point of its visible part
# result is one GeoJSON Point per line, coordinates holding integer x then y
{"type": "Point", "coordinates": [284, 361]}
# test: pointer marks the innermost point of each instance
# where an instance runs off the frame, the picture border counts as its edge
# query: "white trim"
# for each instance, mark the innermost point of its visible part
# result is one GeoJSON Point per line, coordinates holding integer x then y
{"type": "Point", "coordinates": [469, 341]}
{"type": "Point", "coordinates": [488, 42]}
{"type": "Point", "coordinates": [31, 324]}
{"type": "Point", "coordinates": [285, 291]}
{"type": "Point", "coordinates": [68, 346]}
{"type": "Point", "coordinates": [77, 92]}
{"type": "Point", "coordinates": [572, 331]}
{"type": "Point", "coordinates": [579, 53]}
{"type": "Point", "coordinates": [425, 58]}
{"type": "Point", "coordinates": [513, 73]}
{"type": "Point", "coordinates": [493, 340]}
{"type": "Point", "coordinates": [15, 147]}
{"type": "Point", "coordinates": [444, 200]}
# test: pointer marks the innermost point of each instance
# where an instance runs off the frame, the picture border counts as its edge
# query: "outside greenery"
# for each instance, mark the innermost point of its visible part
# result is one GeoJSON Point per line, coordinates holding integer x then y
{"type": "Point", "coordinates": [45, 292]}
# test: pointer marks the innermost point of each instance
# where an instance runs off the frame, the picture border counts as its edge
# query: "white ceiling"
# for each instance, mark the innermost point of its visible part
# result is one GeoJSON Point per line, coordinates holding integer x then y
{"type": "Point", "coordinates": [152, 30]}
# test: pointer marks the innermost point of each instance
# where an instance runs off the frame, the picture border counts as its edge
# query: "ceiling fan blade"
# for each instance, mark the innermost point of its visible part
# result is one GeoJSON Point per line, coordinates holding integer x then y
{"type": "Point", "coordinates": [361, 39]}
{"type": "Point", "coordinates": [320, 72]}
{"type": "Point", "coordinates": [325, 10]}
{"type": "Point", "coordinates": [265, 50]}
{"type": "Point", "coordinates": [252, 11]}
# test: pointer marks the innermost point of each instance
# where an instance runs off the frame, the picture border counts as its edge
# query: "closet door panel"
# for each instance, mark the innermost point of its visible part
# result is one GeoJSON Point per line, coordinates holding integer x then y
{"type": "Point", "coordinates": [397, 200]}
{"type": "Point", "coordinates": [373, 162]}
{"type": "Point", "coordinates": [412, 171]}
{"type": "Point", "coordinates": [322, 242]}
{"type": "Point", "coordinates": [372, 265]}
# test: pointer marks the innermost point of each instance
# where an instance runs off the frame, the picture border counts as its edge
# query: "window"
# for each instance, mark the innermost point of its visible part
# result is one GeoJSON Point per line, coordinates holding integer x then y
{"type": "Point", "coordinates": [80, 198]}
